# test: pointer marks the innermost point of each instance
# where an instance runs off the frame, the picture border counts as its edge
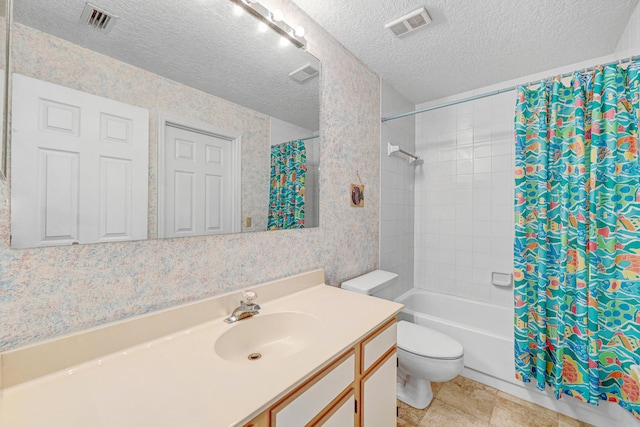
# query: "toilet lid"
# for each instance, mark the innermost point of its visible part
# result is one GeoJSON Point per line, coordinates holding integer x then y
{"type": "Point", "coordinates": [423, 341]}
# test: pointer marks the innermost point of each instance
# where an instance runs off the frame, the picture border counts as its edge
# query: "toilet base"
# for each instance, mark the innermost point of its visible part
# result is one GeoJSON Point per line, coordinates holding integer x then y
{"type": "Point", "coordinates": [414, 392]}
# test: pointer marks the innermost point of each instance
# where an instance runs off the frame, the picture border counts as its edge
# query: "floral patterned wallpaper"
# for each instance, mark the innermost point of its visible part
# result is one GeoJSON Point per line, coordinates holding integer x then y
{"type": "Point", "coordinates": [48, 292]}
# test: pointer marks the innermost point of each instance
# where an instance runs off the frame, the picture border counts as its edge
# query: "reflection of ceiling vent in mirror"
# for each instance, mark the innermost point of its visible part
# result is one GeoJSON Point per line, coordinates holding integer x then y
{"type": "Point", "coordinates": [304, 73]}
{"type": "Point", "coordinates": [409, 22]}
{"type": "Point", "coordinates": [97, 18]}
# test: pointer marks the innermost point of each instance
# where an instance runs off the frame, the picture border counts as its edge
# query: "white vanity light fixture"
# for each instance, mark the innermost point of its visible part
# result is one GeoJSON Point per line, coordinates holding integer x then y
{"type": "Point", "coordinates": [273, 19]}
{"type": "Point", "coordinates": [276, 15]}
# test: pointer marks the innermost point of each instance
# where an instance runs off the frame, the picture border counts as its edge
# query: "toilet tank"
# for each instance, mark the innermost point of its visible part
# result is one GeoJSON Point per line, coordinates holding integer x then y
{"type": "Point", "coordinates": [372, 283]}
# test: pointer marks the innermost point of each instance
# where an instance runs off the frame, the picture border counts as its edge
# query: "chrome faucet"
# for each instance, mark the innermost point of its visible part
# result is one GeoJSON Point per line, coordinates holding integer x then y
{"type": "Point", "coordinates": [247, 307]}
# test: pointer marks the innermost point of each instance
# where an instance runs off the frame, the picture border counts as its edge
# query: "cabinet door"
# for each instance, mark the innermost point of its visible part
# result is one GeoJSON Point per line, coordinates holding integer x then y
{"type": "Point", "coordinates": [379, 394]}
{"type": "Point", "coordinates": [378, 344]}
{"type": "Point", "coordinates": [316, 395]}
{"type": "Point", "coordinates": [343, 415]}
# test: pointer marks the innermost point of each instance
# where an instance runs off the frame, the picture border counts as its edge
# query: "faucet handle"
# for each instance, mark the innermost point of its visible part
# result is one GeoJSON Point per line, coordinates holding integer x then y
{"type": "Point", "coordinates": [248, 297]}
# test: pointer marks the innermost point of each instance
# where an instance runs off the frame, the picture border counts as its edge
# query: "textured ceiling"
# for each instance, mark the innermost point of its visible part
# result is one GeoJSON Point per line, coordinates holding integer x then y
{"type": "Point", "coordinates": [471, 43]}
{"type": "Point", "coordinates": [199, 43]}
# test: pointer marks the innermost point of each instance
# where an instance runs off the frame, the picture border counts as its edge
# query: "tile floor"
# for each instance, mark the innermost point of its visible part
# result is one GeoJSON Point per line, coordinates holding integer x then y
{"type": "Point", "coordinates": [462, 402]}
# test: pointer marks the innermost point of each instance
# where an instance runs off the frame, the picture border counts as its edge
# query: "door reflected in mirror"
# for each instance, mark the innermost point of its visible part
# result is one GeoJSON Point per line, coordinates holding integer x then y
{"type": "Point", "coordinates": [198, 181]}
{"type": "Point", "coordinates": [218, 95]}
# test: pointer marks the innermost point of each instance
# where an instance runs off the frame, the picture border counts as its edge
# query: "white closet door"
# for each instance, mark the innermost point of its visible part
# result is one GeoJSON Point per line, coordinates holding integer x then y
{"type": "Point", "coordinates": [79, 166]}
{"type": "Point", "coordinates": [198, 183]}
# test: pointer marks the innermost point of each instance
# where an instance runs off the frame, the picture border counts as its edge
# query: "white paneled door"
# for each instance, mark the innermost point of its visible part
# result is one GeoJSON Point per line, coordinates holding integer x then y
{"type": "Point", "coordinates": [79, 167]}
{"type": "Point", "coordinates": [199, 183]}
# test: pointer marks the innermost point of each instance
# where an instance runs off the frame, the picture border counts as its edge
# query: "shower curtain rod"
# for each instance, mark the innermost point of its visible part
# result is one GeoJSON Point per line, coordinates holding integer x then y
{"type": "Point", "coordinates": [307, 138]}
{"type": "Point", "coordinates": [496, 92]}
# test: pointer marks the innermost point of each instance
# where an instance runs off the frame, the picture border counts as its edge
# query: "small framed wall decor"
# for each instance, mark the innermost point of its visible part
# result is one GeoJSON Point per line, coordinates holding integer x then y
{"type": "Point", "coordinates": [357, 195]}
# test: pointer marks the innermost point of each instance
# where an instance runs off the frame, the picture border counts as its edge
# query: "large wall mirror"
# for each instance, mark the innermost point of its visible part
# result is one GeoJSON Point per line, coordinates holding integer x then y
{"type": "Point", "coordinates": [4, 39]}
{"type": "Point", "coordinates": [144, 119]}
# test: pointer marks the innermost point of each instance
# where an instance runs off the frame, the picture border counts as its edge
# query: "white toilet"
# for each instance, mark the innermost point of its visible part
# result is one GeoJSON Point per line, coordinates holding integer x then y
{"type": "Point", "coordinates": [424, 355]}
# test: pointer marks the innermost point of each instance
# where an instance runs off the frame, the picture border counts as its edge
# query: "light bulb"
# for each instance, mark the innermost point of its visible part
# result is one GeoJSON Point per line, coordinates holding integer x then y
{"type": "Point", "coordinates": [262, 27]}
{"type": "Point", "coordinates": [237, 10]}
{"type": "Point", "coordinates": [283, 41]}
{"type": "Point", "coordinates": [299, 31]}
{"type": "Point", "coordinates": [277, 15]}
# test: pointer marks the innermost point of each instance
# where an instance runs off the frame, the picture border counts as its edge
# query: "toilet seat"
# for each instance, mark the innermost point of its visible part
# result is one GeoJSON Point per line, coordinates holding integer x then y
{"type": "Point", "coordinates": [426, 342]}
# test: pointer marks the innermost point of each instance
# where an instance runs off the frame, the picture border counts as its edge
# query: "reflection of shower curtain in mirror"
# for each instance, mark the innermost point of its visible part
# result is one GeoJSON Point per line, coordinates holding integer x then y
{"type": "Point", "coordinates": [287, 193]}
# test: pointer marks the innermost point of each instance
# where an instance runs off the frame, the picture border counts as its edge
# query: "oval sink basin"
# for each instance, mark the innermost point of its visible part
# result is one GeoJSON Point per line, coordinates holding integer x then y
{"type": "Point", "coordinates": [267, 337]}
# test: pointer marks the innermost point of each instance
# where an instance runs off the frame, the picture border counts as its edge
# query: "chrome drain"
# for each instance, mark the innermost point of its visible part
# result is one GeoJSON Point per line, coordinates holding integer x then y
{"type": "Point", "coordinates": [254, 356]}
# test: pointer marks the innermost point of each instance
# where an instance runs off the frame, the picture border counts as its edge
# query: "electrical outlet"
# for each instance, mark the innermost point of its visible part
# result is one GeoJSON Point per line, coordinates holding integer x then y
{"type": "Point", "coordinates": [248, 221]}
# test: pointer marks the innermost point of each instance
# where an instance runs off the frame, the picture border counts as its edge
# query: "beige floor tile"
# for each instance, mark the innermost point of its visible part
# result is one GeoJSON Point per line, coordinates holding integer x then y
{"type": "Point", "coordinates": [441, 414]}
{"type": "Point", "coordinates": [435, 387]}
{"type": "Point", "coordinates": [564, 421]}
{"type": "Point", "coordinates": [409, 416]}
{"type": "Point", "coordinates": [457, 402]}
{"type": "Point", "coordinates": [509, 413]}
{"type": "Point", "coordinates": [530, 405]}
{"type": "Point", "coordinates": [469, 396]}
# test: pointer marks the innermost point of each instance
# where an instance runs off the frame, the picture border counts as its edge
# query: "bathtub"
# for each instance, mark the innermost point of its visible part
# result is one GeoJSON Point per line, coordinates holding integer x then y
{"type": "Point", "coordinates": [484, 330]}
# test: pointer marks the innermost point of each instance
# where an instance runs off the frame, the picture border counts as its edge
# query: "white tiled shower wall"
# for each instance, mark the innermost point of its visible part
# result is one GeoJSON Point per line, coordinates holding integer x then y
{"type": "Point", "coordinates": [463, 198]}
{"type": "Point", "coordinates": [397, 191]}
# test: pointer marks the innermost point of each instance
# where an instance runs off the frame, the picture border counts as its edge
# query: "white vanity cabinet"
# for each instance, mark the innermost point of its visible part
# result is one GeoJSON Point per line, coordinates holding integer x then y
{"type": "Point", "coordinates": [358, 388]}
{"type": "Point", "coordinates": [378, 383]}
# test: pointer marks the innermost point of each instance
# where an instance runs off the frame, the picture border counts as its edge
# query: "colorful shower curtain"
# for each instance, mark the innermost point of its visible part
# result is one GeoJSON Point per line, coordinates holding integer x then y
{"type": "Point", "coordinates": [577, 236]}
{"type": "Point", "coordinates": [288, 175]}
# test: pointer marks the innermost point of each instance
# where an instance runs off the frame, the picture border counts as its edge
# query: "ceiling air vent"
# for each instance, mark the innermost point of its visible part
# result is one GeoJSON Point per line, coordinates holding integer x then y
{"type": "Point", "coordinates": [409, 22]}
{"type": "Point", "coordinates": [97, 18]}
{"type": "Point", "coordinates": [304, 73]}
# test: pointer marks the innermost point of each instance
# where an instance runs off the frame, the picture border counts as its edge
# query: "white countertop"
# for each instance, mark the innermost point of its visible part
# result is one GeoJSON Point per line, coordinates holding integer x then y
{"type": "Point", "coordinates": [179, 380]}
